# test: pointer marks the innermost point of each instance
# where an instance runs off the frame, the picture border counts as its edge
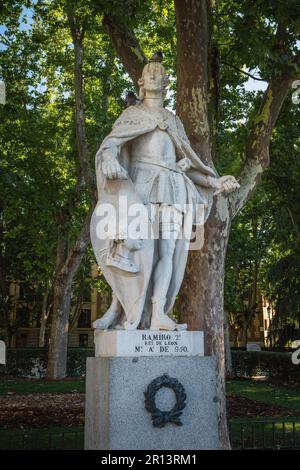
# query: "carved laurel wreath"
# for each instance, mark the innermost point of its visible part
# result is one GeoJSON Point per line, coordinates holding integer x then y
{"type": "Point", "coordinates": [161, 418]}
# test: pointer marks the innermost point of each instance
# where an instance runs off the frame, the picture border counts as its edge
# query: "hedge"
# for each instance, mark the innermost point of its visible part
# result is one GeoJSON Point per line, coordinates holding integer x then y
{"type": "Point", "coordinates": [32, 362]}
{"type": "Point", "coordinates": [272, 364]}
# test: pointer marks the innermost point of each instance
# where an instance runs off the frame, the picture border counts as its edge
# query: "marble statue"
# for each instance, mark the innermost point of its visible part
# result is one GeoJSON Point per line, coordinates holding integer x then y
{"type": "Point", "coordinates": [148, 160]}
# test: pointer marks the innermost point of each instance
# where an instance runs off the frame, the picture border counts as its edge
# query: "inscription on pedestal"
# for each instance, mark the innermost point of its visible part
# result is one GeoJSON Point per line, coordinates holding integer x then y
{"type": "Point", "coordinates": [148, 343]}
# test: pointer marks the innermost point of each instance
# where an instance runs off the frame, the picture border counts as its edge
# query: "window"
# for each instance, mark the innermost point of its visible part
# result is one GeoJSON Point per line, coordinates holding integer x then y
{"type": "Point", "coordinates": [21, 340]}
{"type": "Point", "coordinates": [84, 320]}
{"type": "Point", "coordinates": [266, 324]}
{"type": "Point", "coordinates": [26, 293]}
{"type": "Point", "coordinates": [83, 340]}
{"type": "Point", "coordinates": [23, 317]}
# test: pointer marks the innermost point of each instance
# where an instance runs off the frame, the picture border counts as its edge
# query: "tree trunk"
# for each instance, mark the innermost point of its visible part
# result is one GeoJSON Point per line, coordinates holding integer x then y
{"type": "Point", "coordinates": [42, 331]}
{"type": "Point", "coordinates": [228, 358]}
{"type": "Point", "coordinates": [202, 299]}
{"type": "Point", "coordinates": [57, 357]}
{"type": "Point", "coordinates": [62, 295]}
{"type": "Point", "coordinates": [68, 260]}
{"type": "Point", "coordinates": [75, 314]}
{"type": "Point", "coordinates": [236, 338]}
{"type": "Point", "coordinates": [244, 336]}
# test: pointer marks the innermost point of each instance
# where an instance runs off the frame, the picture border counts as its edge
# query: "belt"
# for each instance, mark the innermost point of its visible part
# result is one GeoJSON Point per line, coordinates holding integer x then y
{"type": "Point", "coordinates": [149, 161]}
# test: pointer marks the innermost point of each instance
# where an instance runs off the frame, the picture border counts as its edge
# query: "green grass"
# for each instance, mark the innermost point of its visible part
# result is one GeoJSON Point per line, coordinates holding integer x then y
{"type": "Point", "coordinates": [265, 393]}
{"type": "Point", "coordinates": [245, 433]}
{"type": "Point", "coordinates": [22, 386]}
{"type": "Point", "coordinates": [251, 434]}
{"type": "Point", "coordinates": [265, 434]}
{"type": "Point", "coordinates": [53, 438]}
{"type": "Point", "coordinates": [259, 391]}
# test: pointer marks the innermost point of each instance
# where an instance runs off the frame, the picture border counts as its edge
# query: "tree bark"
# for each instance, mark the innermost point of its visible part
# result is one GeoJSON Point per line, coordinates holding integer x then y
{"type": "Point", "coordinates": [69, 259]}
{"type": "Point", "coordinates": [126, 46]}
{"type": "Point", "coordinates": [244, 334]}
{"type": "Point", "coordinates": [192, 73]}
{"type": "Point", "coordinates": [75, 314]}
{"type": "Point", "coordinates": [228, 356]}
{"type": "Point", "coordinates": [57, 356]}
{"type": "Point", "coordinates": [201, 299]}
{"type": "Point", "coordinates": [236, 337]}
{"type": "Point", "coordinates": [44, 318]}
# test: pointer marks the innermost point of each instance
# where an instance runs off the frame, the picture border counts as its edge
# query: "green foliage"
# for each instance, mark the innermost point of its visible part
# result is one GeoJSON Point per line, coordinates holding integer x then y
{"type": "Point", "coordinates": [24, 386]}
{"type": "Point", "coordinates": [50, 438]}
{"type": "Point", "coordinates": [266, 235]}
{"type": "Point", "coordinates": [272, 364]}
{"type": "Point", "coordinates": [33, 361]}
{"type": "Point", "coordinates": [76, 362]}
{"type": "Point", "coordinates": [264, 392]}
{"type": "Point", "coordinates": [25, 362]}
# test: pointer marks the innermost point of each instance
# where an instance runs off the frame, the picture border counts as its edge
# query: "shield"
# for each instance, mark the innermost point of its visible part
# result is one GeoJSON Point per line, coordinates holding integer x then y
{"type": "Point", "coordinates": [127, 270]}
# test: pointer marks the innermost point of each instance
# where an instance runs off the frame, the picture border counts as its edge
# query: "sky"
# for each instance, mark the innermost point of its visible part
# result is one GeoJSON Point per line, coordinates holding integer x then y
{"type": "Point", "coordinates": [255, 85]}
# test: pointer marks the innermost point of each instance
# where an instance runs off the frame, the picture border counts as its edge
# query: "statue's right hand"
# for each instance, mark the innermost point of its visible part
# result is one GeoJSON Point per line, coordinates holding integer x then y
{"type": "Point", "coordinates": [112, 170]}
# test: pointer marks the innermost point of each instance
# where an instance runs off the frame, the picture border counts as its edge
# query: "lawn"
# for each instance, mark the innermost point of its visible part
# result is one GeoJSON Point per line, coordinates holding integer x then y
{"type": "Point", "coordinates": [244, 432]}
{"type": "Point", "coordinates": [23, 386]}
{"type": "Point", "coordinates": [66, 438]}
{"type": "Point", "coordinates": [265, 393]}
{"type": "Point", "coordinates": [265, 434]}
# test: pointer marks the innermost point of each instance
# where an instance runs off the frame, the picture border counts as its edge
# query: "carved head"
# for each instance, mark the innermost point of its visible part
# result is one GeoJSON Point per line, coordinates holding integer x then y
{"type": "Point", "coordinates": [154, 78]}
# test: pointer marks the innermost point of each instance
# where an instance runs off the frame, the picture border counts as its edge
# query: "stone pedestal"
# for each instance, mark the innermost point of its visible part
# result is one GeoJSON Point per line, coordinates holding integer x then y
{"type": "Point", "coordinates": [116, 415]}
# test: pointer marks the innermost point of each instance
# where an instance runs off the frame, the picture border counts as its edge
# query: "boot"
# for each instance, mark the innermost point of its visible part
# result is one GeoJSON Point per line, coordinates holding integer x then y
{"type": "Point", "coordinates": [161, 321]}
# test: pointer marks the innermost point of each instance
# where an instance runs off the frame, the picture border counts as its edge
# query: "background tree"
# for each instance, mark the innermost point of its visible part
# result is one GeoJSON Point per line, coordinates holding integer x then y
{"type": "Point", "coordinates": [282, 272]}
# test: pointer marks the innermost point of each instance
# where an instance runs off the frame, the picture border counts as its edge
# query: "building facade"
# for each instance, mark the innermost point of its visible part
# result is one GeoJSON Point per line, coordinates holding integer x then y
{"type": "Point", "coordinates": [26, 315]}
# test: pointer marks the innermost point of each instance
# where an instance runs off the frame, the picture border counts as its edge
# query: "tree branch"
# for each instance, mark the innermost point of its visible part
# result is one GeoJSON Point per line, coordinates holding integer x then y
{"type": "Point", "coordinates": [5, 40]}
{"type": "Point", "coordinates": [75, 255]}
{"type": "Point", "coordinates": [213, 99]}
{"type": "Point", "coordinates": [242, 71]}
{"type": "Point", "coordinates": [77, 32]}
{"type": "Point", "coordinates": [126, 46]}
{"type": "Point", "coordinates": [192, 72]}
{"type": "Point", "coordinates": [257, 145]}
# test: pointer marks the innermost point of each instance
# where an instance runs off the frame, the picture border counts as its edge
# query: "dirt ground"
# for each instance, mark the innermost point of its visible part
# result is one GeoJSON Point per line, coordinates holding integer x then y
{"type": "Point", "coordinates": [67, 409]}
{"type": "Point", "coordinates": [41, 410]}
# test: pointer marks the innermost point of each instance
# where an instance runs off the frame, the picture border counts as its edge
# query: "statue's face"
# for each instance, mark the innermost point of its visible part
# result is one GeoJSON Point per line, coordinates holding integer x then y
{"type": "Point", "coordinates": [154, 77]}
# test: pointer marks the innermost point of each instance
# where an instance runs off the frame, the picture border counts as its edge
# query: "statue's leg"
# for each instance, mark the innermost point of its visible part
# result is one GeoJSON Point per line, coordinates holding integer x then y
{"type": "Point", "coordinates": [163, 270]}
{"type": "Point", "coordinates": [162, 275]}
{"type": "Point", "coordinates": [110, 316]}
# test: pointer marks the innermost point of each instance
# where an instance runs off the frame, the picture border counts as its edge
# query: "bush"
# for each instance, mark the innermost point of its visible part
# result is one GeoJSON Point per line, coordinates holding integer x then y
{"type": "Point", "coordinates": [272, 364]}
{"type": "Point", "coordinates": [76, 362]}
{"type": "Point", "coordinates": [32, 362]}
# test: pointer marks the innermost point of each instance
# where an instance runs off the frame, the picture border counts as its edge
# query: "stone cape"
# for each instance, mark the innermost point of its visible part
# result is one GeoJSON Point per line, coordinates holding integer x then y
{"type": "Point", "coordinates": [134, 122]}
